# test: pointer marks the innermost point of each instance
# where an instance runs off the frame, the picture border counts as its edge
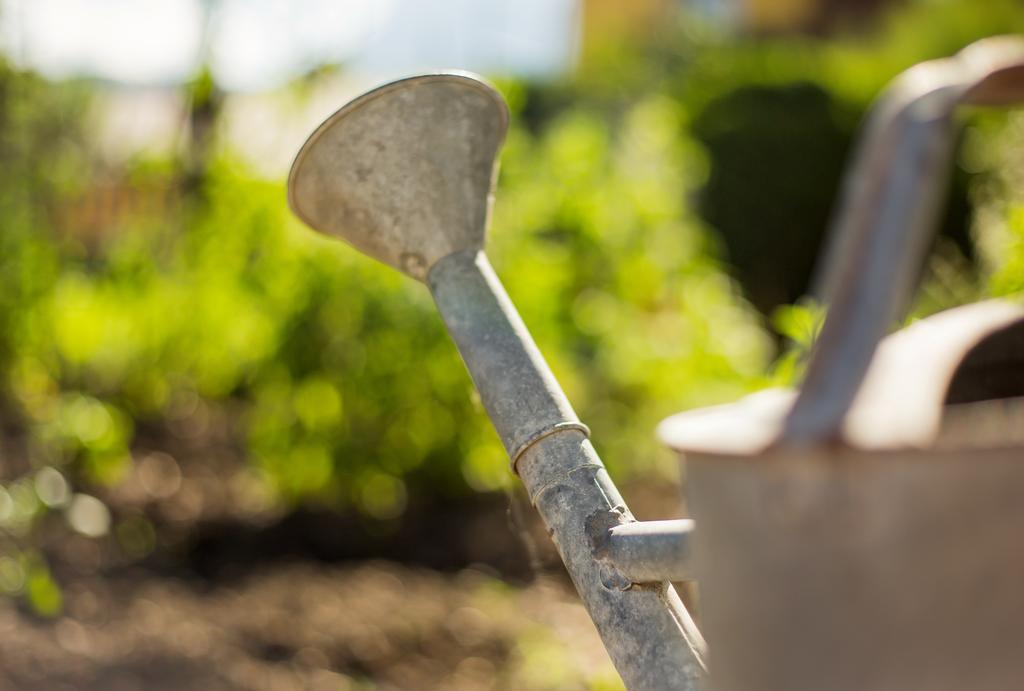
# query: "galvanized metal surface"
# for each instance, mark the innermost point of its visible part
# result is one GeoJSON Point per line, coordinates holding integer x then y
{"type": "Point", "coordinates": [891, 199]}
{"type": "Point", "coordinates": [405, 174]}
{"type": "Point", "coordinates": [848, 571]}
{"type": "Point", "coordinates": [649, 551]}
{"type": "Point", "coordinates": [648, 633]}
{"type": "Point", "coordinates": [517, 388]}
{"type": "Point", "coordinates": [902, 400]}
{"type": "Point", "coordinates": [849, 542]}
{"type": "Point", "coordinates": [882, 568]}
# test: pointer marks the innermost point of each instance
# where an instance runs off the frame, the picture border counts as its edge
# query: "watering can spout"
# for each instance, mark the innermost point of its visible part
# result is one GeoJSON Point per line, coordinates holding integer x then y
{"type": "Point", "coordinates": [405, 173]}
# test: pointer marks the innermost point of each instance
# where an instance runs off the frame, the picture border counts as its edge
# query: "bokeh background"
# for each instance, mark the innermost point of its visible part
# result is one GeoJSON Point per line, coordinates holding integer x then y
{"type": "Point", "coordinates": [234, 455]}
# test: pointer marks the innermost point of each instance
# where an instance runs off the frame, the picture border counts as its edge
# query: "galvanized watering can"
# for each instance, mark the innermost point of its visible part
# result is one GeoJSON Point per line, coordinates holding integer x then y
{"type": "Point", "coordinates": [865, 533]}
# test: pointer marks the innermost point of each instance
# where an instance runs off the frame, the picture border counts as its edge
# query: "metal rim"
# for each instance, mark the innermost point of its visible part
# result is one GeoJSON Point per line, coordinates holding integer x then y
{"type": "Point", "coordinates": [466, 78]}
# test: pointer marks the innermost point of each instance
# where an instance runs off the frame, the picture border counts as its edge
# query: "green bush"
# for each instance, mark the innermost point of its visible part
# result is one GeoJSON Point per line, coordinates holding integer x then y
{"type": "Point", "coordinates": [334, 373]}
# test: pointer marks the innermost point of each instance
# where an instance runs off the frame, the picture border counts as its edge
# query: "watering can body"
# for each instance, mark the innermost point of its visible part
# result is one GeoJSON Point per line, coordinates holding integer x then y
{"type": "Point", "coordinates": [880, 572]}
{"type": "Point", "coordinates": [881, 565]}
{"type": "Point", "coordinates": [866, 532]}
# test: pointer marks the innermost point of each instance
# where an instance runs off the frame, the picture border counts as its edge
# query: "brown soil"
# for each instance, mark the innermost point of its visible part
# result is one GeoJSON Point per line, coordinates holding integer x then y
{"type": "Point", "coordinates": [240, 594]}
{"type": "Point", "coordinates": [307, 626]}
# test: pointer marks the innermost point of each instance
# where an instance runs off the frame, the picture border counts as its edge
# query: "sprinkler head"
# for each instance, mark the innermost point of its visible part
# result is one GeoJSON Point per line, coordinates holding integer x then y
{"type": "Point", "coordinates": [405, 173]}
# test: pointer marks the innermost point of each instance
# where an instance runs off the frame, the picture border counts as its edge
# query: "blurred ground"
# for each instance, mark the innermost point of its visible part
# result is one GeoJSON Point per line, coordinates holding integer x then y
{"type": "Point", "coordinates": [464, 594]}
{"type": "Point", "coordinates": [368, 625]}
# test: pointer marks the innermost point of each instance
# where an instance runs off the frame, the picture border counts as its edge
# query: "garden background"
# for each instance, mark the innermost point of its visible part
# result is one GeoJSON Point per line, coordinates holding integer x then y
{"type": "Point", "coordinates": [236, 455]}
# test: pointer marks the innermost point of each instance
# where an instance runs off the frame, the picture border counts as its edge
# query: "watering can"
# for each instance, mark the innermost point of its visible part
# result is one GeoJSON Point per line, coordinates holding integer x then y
{"type": "Point", "coordinates": [867, 531]}
{"type": "Point", "coordinates": [406, 173]}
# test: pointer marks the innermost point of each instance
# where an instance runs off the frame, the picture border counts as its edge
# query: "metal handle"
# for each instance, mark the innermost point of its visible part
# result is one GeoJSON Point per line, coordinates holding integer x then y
{"type": "Point", "coordinates": [889, 208]}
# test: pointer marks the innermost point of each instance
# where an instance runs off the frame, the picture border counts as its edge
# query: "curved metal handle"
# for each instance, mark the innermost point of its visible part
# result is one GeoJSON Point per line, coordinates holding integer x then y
{"type": "Point", "coordinates": [889, 209]}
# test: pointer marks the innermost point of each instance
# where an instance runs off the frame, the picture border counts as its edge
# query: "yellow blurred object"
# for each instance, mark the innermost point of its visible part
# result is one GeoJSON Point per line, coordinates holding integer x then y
{"type": "Point", "coordinates": [772, 15]}
{"type": "Point", "coordinates": [608, 24]}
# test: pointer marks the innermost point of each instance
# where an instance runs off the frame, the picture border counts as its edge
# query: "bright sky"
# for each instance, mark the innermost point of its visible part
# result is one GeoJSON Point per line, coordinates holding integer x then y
{"type": "Point", "coordinates": [258, 44]}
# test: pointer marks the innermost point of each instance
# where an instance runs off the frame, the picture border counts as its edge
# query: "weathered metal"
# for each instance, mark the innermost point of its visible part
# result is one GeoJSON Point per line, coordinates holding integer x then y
{"type": "Point", "coordinates": [648, 633]}
{"type": "Point", "coordinates": [405, 174]}
{"type": "Point", "coordinates": [902, 402]}
{"type": "Point", "coordinates": [516, 386]}
{"type": "Point", "coordinates": [890, 203]}
{"type": "Point", "coordinates": [864, 532]}
{"type": "Point", "coordinates": [846, 571]}
{"type": "Point", "coordinates": [649, 551]}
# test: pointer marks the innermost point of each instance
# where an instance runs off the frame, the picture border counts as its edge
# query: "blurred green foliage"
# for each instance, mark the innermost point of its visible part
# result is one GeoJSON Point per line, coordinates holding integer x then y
{"type": "Point", "coordinates": [999, 149]}
{"type": "Point", "coordinates": [779, 116]}
{"type": "Point", "coordinates": [332, 374]}
{"type": "Point", "coordinates": [777, 154]}
{"type": "Point", "coordinates": [338, 370]}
